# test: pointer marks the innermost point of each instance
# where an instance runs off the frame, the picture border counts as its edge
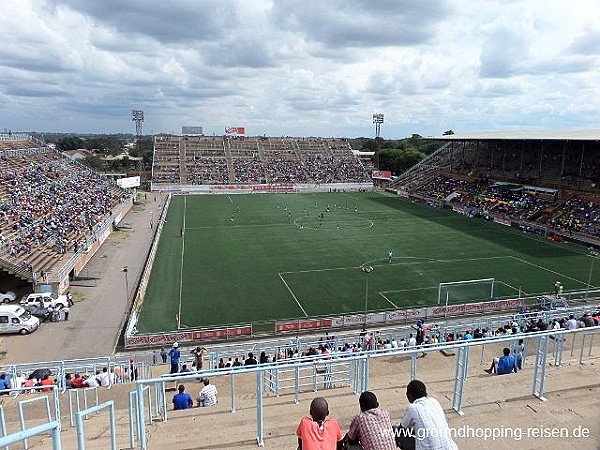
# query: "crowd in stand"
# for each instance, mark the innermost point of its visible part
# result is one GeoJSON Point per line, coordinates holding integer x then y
{"type": "Point", "coordinates": [256, 160]}
{"type": "Point", "coordinates": [578, 215]}
{"type": "Point", "coordinates": [420, 334]}
{"type": "Point", "coordinates": [52, 205]}
{"type": "Point", "coordinates": [514, 203]}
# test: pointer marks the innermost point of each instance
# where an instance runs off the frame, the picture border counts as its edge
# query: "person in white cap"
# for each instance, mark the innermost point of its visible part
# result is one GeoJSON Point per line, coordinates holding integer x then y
{"type": "Point", "coordinates": [175, 355]}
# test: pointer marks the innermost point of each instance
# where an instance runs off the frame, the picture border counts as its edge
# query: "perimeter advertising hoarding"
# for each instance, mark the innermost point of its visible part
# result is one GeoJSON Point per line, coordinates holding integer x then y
{"type": "Point", "coordinates": [129, 182]}
{"type": "Point", "coordinates": [193, 131]}
{"type": "Point", "coordinates": [385, 174]}
{"type": "Point", "coordinates": [188, 336]}
{"type": "Point", "coordinates": [235, 131]}
{"type": "Point", "coordinates": [402, 315]}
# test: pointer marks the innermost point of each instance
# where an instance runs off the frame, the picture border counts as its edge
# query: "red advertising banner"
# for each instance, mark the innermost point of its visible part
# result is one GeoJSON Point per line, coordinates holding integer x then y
{"type": "Point", "coordinates": [301, 324]}
{"type": "Point", "coordinates": [384, 174]}
{"type": "Point", "coordinates": [187, 336]}
{"type": "Point", "coordinates": [235, 131]}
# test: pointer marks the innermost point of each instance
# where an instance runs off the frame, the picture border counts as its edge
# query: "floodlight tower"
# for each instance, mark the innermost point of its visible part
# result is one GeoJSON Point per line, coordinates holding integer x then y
{"type": "Point", "coordinates": [137, 115]}
{"type": "Point", "coordinates": [377, 120]}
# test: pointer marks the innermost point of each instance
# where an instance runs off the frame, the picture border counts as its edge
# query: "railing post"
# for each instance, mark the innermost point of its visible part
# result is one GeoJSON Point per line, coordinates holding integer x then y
{"type": "Point", "coordinates": [232, 389]}
{"type": "Point", "coordinates": [297, 384]}
{"type": "Point", "coordinates": [413, 366]}
{"type": "Point", "coordinates": [259, 408]}
{"type": "Point", "coordinates": [132, 415]}
{"type": "Point", "coordinates": [140, 417]}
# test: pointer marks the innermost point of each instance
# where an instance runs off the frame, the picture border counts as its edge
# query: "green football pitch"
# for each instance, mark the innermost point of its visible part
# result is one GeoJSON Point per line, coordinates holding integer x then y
{"type": "Point", "coordinates": [260, 258]}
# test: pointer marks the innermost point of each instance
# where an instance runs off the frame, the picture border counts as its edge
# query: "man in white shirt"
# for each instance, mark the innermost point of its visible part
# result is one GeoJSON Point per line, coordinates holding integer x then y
{"type": "Point", "coordinates": [572, 323]}
{"type": "Point", "coordinates": [425, 417]}
{"type": "Point", "coordinates": [412, 341]}
{"type": "Point", "coordinates": [208, 394]}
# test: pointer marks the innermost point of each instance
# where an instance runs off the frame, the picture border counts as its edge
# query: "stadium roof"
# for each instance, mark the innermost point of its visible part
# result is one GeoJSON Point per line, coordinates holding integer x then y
{"type": "Point", "coordinates": [545, 135]}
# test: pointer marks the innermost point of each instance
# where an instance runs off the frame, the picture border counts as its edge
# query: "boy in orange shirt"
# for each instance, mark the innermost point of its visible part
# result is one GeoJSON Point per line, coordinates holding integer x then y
{"type": "Point", "coordinates": [317, 432]}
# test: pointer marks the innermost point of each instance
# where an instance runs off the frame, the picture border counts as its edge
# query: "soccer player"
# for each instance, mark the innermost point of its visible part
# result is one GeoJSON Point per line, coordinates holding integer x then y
{"type": "Point", "coordinates": [390, 256]}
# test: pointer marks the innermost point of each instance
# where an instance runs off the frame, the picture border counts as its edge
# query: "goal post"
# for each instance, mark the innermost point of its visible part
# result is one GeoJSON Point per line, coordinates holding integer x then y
{"type": "Point", "coordinates": [466, 290]}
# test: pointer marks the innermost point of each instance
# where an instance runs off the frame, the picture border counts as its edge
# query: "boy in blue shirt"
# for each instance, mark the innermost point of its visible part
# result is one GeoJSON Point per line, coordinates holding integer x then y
{"type": "Point", "coordinates": [182, 400]}
{"type": "Point", "coordinates": [504, 365]}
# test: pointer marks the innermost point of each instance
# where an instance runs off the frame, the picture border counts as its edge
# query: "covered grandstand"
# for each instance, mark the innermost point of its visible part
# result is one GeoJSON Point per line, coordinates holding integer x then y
{"type": "Point", "coordinates": [547, 182]}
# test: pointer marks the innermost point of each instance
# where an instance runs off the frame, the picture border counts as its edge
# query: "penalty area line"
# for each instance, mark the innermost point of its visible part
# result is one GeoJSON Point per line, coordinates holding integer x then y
{"type": "Point", "coordinates": [292, 294]}
{"type": "Point", "coordinates": [388, 300]}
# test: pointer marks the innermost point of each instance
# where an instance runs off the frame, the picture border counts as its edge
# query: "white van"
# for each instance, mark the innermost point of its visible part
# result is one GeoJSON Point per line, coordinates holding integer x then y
{"type": "Point", "coordinates": [15, 319]}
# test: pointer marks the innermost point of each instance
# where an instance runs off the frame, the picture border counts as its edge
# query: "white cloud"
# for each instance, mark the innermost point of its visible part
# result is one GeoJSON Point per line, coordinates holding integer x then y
{"type": "Point", "coordinates": [299, 68]}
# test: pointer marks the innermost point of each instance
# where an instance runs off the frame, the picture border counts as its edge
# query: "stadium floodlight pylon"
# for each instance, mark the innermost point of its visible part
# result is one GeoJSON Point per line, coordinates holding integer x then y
{"type": "Point", "coordinates": [445, 289]}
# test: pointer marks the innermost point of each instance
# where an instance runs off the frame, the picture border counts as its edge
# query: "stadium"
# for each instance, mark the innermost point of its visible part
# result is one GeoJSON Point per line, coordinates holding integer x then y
{"type": "Point", "coordinates": [282, 245]}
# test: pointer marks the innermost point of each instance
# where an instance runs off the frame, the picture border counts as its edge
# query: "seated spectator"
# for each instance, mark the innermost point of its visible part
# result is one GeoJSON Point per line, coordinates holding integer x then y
{"type": "Point", "coordinates": [91, 381]}
{"type": "Point", "coordinates": [31, 382]}
{"type": "Point", "coordinates": [317, 431]}
{"type": "Point", "coordinates": [504, 365]}
{"type": "Point", "coordinates": [3, 384]}
{"type": "Point", "coordinates": [48, 382]}
{"type": "Point", "coordinates": [425, 420]}
{"type": "Point", "coordinates": [77, 381]}
{"type": "Point", "coordinates": [251, 360]}
{"type": "Point", "coordinates": [372, 427]}
{"type": "Point", "coordinates": [208, 394]}
{"type": "Point", "coordinates": [182, 400]}
{"type": "Point", "coordinates": [587, 319]}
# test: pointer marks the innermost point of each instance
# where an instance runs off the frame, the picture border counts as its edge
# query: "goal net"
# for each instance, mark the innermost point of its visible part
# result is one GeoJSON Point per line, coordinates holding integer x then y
{"type": "Point", "coordinates": [466, 291]}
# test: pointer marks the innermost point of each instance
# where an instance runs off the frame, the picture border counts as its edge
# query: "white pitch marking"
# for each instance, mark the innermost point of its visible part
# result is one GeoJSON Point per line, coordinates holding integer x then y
{"type": "Point", "coordinates": [292, 293]}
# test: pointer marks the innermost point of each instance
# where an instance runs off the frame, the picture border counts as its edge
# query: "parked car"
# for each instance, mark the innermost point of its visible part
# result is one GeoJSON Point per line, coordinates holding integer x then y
{"type": "Point", "coordinates": [15, 319]}
{"type": "Point", "coordinates": [7, 296]}
{"type": "Point", "coordinates": [45, 299]}
{"type": "Point", "coordinates": [38, 311]}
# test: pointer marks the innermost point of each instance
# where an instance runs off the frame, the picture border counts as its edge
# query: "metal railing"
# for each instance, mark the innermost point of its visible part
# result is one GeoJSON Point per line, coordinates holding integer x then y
{"type": "Point", "coordinates": [361, 373]}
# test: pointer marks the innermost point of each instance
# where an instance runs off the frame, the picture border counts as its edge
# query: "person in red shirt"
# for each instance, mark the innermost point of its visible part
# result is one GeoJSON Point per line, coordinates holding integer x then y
{"type": "Point", "coordinates": [317, 431]}
{"type": "Point", "coordinates": [48, 382]}
{"type": "Point", "coordinates": [77, 382]}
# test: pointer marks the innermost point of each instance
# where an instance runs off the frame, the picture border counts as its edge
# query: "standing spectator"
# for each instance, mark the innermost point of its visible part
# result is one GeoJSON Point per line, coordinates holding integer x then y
{"type": "Point", "coordinates": [199, 353]}
{"type": "Point", "coordinates": [182, 400]}
{"type": "Point", "coordinates": [372, 427]}
{"type": "Point", "coordinates": [316, 431]}
{"type": "Point", "coordinates": [163, 355]}
{"type": "Point", "coordinates": [208, 394]}
{"type": "Point", "coordinates": [175, 355]}
{"type": "Point", "coordinates": [133, 369]}
{"type": "Point", "coordinates": [425, 417]}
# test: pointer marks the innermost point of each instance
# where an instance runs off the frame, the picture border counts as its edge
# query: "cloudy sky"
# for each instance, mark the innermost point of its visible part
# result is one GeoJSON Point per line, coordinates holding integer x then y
{"type": "Point", "coordinates": [302, 67]}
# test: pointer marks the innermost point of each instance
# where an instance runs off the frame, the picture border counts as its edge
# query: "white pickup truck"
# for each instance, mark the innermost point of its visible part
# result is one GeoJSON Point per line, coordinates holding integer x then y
{"type": "Point", "coordinates": [46, 299]}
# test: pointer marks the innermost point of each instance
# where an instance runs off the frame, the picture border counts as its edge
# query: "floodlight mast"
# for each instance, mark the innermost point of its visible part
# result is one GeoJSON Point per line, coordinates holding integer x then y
{"type": "Point", "coordinates": [377, 120]}
{"type": "Point", "coordinates": [137, 115]}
